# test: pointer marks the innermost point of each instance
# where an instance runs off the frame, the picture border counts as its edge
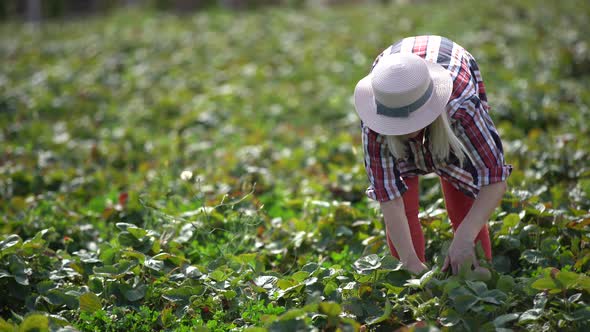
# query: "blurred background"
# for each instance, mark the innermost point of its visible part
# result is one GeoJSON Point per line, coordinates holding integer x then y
{"type": "Point", "coordinates": [225, 130]}
{"type": "Point", "coordinates": [35, 10]}
{"type": "Point", "coordinates": [260, 91]}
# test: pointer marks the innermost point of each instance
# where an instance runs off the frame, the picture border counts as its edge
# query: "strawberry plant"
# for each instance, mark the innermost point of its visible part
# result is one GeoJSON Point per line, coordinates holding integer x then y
{"type": "Point", "coordinates": [205, 172]}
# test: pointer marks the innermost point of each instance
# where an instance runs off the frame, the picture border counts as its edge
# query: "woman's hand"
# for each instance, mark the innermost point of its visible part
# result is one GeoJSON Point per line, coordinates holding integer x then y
{"type": "Point", "coordinates": [398, 231]}
{"type": "Point", "coordinates": [462, 249]}
{"type": "Point", "coordinates": [461, 252]}
{"type": "Point", "coordinates": [416, 267]}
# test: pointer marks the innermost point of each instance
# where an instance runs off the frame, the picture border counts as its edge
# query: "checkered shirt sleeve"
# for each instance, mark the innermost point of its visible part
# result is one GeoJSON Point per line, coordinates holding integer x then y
{"type": "Point", "coordinates": [476, 130]}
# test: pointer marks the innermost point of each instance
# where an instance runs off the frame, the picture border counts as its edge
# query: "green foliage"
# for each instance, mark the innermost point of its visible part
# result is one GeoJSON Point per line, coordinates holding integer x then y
{"type": "Point", "coordinates": [205, 173]}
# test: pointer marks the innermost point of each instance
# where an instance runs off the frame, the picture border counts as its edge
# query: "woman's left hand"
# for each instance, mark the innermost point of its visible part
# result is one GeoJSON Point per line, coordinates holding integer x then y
{"type": "Point", "coordinates": [462, 249]}
{"type": "Point", "coordinates": [461, 252]}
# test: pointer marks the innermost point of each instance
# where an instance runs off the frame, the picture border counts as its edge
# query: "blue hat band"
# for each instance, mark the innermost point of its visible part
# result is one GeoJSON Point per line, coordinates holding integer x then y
{"type": "Point", "coordinates": [404, 111]}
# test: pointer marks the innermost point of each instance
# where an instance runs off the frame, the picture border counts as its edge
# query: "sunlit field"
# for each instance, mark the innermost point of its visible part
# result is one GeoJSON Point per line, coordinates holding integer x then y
{"type": "Point", "coordinates": [204, 172]}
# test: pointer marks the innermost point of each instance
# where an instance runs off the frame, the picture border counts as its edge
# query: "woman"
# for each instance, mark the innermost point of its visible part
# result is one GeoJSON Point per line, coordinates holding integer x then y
{"type": "Point", "coordinates": [423, 109]}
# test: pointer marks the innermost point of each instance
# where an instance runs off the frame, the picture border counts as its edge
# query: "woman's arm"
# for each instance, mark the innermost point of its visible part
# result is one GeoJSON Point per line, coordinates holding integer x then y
{"type": "Point", "coordinates": [387, 187]}
{"type": "Point", "coordinates": [398, 230]}
{"type": "Point", "coordinates": [487, 201]}
{"type": "Point", "coordinates": [461, 249]}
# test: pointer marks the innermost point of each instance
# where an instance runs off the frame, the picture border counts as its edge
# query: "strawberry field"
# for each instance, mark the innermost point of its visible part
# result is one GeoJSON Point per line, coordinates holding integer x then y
{"type": "Point", "coordinates": [204, 172]}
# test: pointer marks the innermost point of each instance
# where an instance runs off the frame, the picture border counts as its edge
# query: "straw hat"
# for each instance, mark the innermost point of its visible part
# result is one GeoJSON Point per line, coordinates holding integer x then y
{"type": "Point", "coordinates": [404, 93]}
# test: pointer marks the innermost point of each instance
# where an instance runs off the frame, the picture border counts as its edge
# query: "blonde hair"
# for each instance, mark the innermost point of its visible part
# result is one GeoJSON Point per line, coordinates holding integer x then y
{"type": "Point", "coordinates": [442, 141]}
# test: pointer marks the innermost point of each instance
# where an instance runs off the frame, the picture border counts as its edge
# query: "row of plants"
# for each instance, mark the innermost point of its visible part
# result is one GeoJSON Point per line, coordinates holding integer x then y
{"type": "Point", "coordinates": [200, 270]}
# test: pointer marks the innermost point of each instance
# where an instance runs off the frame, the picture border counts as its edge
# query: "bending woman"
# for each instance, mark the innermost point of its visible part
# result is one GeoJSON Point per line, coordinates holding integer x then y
{"type": "Point", "coordinates": [423, 109]}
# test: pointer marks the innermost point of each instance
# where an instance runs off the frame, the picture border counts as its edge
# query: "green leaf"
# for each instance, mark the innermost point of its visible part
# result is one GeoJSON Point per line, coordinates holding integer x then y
{"type": "Point", "coordinates": [367, 264]}
{"type": "Point", "coordinates": [584, 283]}
{"type": "Point", "coordinates": [385, 316]}
{"type": "Point", "coordinates": [310, 267]}
{"type": "Point", "coordinates": [449, 317]}
{"type": "Point", "coordinates": [533, 256]}
{"type": "Point", "coordinates": [530, 315]}
{"type": "Point", "coordinates": [464, 302]}
{"type": "Point", "coordinates": [509, 241]}
{"type": "Point", "coordinates": [505, 283]}
{"type": "Point", "coordinates": [390, 263]}
{"type": "Point", "coordinates": [192, 272]}
{"type": "Point", "coordinates": [18, 268]}
{"type": "Point", "coordinates": [574, 298]}
{"type": "Point", "coordinates": [459, 291]}
{"type": "Point", "coordinates": [490, 299]}
{"type": "Point", "coordinates": [283, 325]}
{"type": "Point", "coordinates": [217, 275]}
{"type": "Point", "coordinates": [300, 276]}
{"type": "Point", "coordinates": [126, 239]}
{"type": "Point", "coordinates": [354, 306]}
{"type": "Point", "coordinates": [496, 294]}
{"type": "Point", "coordinates": [545, 283]}
{"type": "Point", "coordinates": [502, 264]}
{"type": "Point", "coordinates": [35, 323]}
{"type": "Point", "coordinates": [451, 285]}
{"type": "Point", "coordinates": [56, 296]}
{"type": "Point", "coordinates": [176, 260]}
{"type": "Point", "coordinates": [116, 270]}
{"type": "Point", "coordinates": [154, 264]}
{"type": "Point", "coordinates": [62, 322]}
{"type": "Point", "coordinates": [550, 246]}
{"type": "Point", "coordinates": [478, 287]}
{"type": "Point", "coordinates": [413, 283]}
{"type": "Point", "coordinates": [330, 288]}
{"type": "Point", "coordinates": [266, 282]}
{"type": "Point", "coordinates": [11, 241]}
{"type": "Point", "coordinates": [182, 294]}
{"type": "Point", "coordinates": [95, 284]}
{"type": "Point", "coordinates": [123, 226]}
{"type": "Point", "coordinates": [581, 314]}
{"type": "Point", "coordinates": [292, 314]}
{"type": "Point", "coordinates": [331, 309]}
{"type": "Point", "coordinates": [133, 254]}
{"type": "Point", "coordinates": [5, 274]}
{"type": "Point", "coordinates": [540, 207]}
{"type": "Point", "coordinates": [310, 281]}
{"type": "Point", "coordinates": [230, 294]}
{"type": "Point", "coordinates": [90, 303]}
{"type": "Point", "coordinates": [285, 283]}
{"type": "Point", "coordinates": [135, 294]}
{"type": "Point", "coordinates": [500, 321]}
{"type": "Point", "coordinates": [6, 327]}
{"type": "Point", "coordinates": [426, 277]}
{"type": "Point", "coordinates": [137, 232]}
{"type": "Point", "coordinates": [22, 279]}
{"type": "Point", "coordinates": [508, 222]}
{"type": "Point", "coordinates": [540, 301]}
{"type": "Point", "coordinates": [44, 286]}
{"type": "Point", "coordinates": [248, 259]}
{"type": "Point", "coordinates": [71, 299]}
{"type": "Point", "coordinates": [567, 279]}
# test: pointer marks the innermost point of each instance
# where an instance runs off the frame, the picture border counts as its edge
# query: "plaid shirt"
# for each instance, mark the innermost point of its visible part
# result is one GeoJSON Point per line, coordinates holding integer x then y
{"type": "Point", "coordinates": [468, 113]}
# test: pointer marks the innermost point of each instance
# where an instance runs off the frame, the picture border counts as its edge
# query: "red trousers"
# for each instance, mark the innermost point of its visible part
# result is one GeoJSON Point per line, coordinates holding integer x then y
{"type": "Point", "coordinates": [457, 203]}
